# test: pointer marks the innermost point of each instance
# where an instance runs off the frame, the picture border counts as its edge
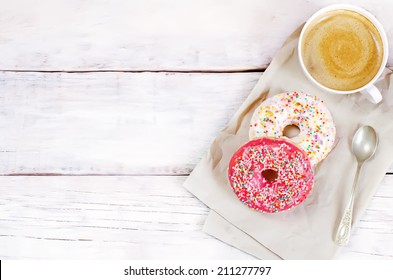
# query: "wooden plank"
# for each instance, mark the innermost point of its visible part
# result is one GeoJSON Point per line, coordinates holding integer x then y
{"type": "Point", "coordinates": [134, 35]}
{"type": "Point", "coordinates": [113, 123]}
{"type": "Point", "coordinates": [138, 218]}
{"type": "Point", "coordinates": [103, 217]}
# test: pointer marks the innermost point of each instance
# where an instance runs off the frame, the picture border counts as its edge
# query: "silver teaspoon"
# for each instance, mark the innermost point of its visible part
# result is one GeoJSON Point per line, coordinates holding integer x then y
{"type": "Point", "coordinates": [364, 144]}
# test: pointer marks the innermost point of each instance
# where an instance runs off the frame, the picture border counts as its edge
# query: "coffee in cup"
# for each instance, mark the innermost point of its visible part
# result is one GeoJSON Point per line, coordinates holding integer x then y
{"type": "Point", "coordinates": [343, 49]}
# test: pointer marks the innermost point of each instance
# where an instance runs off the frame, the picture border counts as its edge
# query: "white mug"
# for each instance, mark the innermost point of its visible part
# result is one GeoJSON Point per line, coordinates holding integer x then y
{"type": "Point", "coordinates": [369, 90]}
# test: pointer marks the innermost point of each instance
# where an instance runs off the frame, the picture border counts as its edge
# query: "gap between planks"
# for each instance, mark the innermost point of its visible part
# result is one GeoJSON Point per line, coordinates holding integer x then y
{"type": "Point", "coordinates": [206, 71]}
{"type": "Point", "coordinates": [105, 175]}
{"type": "Point", "coordinates": [191, 71]}
{"type": "Point", "coordinates": [96, 175]}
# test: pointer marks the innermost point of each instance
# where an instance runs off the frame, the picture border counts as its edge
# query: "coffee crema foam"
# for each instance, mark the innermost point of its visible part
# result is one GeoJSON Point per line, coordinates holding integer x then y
{"type": "Point", "coordinates": [342, 50]}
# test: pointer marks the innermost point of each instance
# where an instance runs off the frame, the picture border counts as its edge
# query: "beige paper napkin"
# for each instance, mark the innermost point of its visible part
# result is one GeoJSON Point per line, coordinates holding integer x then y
{"type": "Point", "coordinates": [306, 231]}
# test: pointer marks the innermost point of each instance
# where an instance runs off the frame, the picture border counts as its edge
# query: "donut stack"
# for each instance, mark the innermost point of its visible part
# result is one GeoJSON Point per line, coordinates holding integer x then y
{"type": "Point", "coordinates": [272, 172]}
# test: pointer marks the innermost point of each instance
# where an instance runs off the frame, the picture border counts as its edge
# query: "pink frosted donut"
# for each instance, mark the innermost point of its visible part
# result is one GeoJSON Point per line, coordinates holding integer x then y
{"type": "Point", "coordinates": [270, 175]}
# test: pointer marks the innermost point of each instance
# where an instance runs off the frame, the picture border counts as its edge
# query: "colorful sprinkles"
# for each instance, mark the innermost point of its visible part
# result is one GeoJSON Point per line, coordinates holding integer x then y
{"type": "Point", "coordinates": [291, 166]}
{"type": "Point", "coordinates": [308, 113]}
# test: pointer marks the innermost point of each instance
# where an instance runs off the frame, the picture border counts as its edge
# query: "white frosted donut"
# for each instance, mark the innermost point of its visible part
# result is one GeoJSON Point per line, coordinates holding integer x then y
{"type": "Point", "coordinates": [307, 112]}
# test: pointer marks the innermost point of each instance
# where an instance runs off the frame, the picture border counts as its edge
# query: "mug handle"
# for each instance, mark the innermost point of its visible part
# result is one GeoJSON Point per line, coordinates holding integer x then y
{"type": "Point", "coordinates": [372, 94]}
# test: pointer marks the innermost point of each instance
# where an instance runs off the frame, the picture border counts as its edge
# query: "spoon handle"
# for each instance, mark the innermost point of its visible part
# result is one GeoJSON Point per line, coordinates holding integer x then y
{"type": "Point", "coordinates": [344, 229]}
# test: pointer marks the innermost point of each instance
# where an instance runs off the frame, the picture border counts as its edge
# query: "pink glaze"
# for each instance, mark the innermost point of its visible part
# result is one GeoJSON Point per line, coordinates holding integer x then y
{"type": "Point", "coordinates": [270, 175]}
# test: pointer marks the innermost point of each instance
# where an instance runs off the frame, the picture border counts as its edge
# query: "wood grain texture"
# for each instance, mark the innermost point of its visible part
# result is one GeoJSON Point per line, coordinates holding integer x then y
{"type": "Point", "coordinates": [216, 35]}
{"type": "Point", "coordinates": [103, 218]}
{"type": "Point", "coordinates": [113, 123]}
{"type": "Point", "coordinates": [138, 218]}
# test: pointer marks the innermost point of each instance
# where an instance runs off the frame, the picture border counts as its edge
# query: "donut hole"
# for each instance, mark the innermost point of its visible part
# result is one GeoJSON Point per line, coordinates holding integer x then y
{"type": "Point", "coordinates": [270, 175]}
{"type": "Point", "coordinates": [291, 131]}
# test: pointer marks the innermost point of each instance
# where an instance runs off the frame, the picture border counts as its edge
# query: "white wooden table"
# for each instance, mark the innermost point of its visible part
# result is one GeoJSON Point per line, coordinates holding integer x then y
{"type": "Point", "coordinates": [106, 107]}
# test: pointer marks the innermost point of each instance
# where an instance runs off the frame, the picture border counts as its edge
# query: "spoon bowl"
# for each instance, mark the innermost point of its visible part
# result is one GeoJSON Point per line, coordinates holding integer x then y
{"type": "Point", "coordinates": [364, 143]}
